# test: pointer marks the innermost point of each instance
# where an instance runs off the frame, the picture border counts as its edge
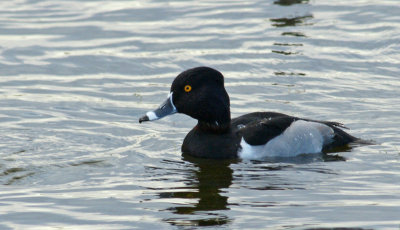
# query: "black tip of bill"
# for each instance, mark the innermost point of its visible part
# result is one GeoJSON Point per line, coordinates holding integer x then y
{"type": "Point", "coordinates": [144, 118]}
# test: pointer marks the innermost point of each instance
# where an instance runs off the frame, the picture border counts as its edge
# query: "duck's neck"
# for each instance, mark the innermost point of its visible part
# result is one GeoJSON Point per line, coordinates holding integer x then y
{"type": "Point", "coordinates": [215, 117]}
{"type": "Point", "coordinates": [214, 127]}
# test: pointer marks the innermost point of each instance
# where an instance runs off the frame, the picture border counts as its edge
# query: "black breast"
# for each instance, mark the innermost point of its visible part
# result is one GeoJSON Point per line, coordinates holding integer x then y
{"type": "Point", "coordinates": [211, 145]}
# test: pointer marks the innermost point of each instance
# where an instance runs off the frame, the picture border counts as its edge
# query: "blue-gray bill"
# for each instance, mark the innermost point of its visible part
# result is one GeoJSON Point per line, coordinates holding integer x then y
{"type": "Point", "coordinates": [165, 109]}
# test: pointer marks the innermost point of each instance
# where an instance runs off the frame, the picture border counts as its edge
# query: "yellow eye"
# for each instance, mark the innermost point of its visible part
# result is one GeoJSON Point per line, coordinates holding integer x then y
{"type": "Point", "coordinates": [188, 88]}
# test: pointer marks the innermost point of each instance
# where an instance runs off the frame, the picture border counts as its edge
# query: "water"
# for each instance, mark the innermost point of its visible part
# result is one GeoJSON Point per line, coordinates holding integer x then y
{"type": "Point", "coordinates": [75, 77]}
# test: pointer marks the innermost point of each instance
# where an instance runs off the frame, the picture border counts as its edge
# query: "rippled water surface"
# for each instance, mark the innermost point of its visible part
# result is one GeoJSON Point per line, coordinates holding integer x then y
{"type": "Point", "coordinates": [75, 76]}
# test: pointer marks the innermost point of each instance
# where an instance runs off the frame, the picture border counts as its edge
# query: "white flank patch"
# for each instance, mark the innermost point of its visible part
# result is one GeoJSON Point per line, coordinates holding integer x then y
{"type": "Point", "coordinates": [300, 137]}
{"type": "Point", "coordinates": [151, 115]}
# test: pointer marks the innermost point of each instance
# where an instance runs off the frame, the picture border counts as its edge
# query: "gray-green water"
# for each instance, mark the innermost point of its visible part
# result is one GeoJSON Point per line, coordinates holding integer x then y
{"type": "Point", "coordinates": [75, 76]}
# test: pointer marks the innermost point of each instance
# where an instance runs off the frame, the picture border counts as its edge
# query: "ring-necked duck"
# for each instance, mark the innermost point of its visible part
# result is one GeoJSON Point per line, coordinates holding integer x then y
{"type": "Point", "coordinates": [200, 93]}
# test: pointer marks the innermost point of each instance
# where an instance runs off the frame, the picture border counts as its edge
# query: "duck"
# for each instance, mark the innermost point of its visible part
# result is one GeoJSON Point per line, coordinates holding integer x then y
{"type": "Point", "coordinates": [200, 93]}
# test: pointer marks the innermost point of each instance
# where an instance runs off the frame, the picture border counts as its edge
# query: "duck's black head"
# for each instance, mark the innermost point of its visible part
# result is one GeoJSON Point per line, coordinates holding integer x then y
{"type": "Point", "coordinates": [199, 93]}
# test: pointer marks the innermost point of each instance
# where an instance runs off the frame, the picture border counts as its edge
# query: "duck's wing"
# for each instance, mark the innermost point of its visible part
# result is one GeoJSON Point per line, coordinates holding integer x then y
{"type": "Point", "coordinates": [260, 132]}
{"type": "Point", "coordinates": [332, 124]}
{"type": "Point", "coordinates": [255, 118]}
{"type": "Point", "coordinates": [259, 116]}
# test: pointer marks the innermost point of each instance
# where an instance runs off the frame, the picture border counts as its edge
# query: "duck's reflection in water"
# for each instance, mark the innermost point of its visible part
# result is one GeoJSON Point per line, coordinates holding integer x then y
{"type": "Point", "coordinates": [210, 179]}
{"type": "Point", "coordinates": [290, 2]}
